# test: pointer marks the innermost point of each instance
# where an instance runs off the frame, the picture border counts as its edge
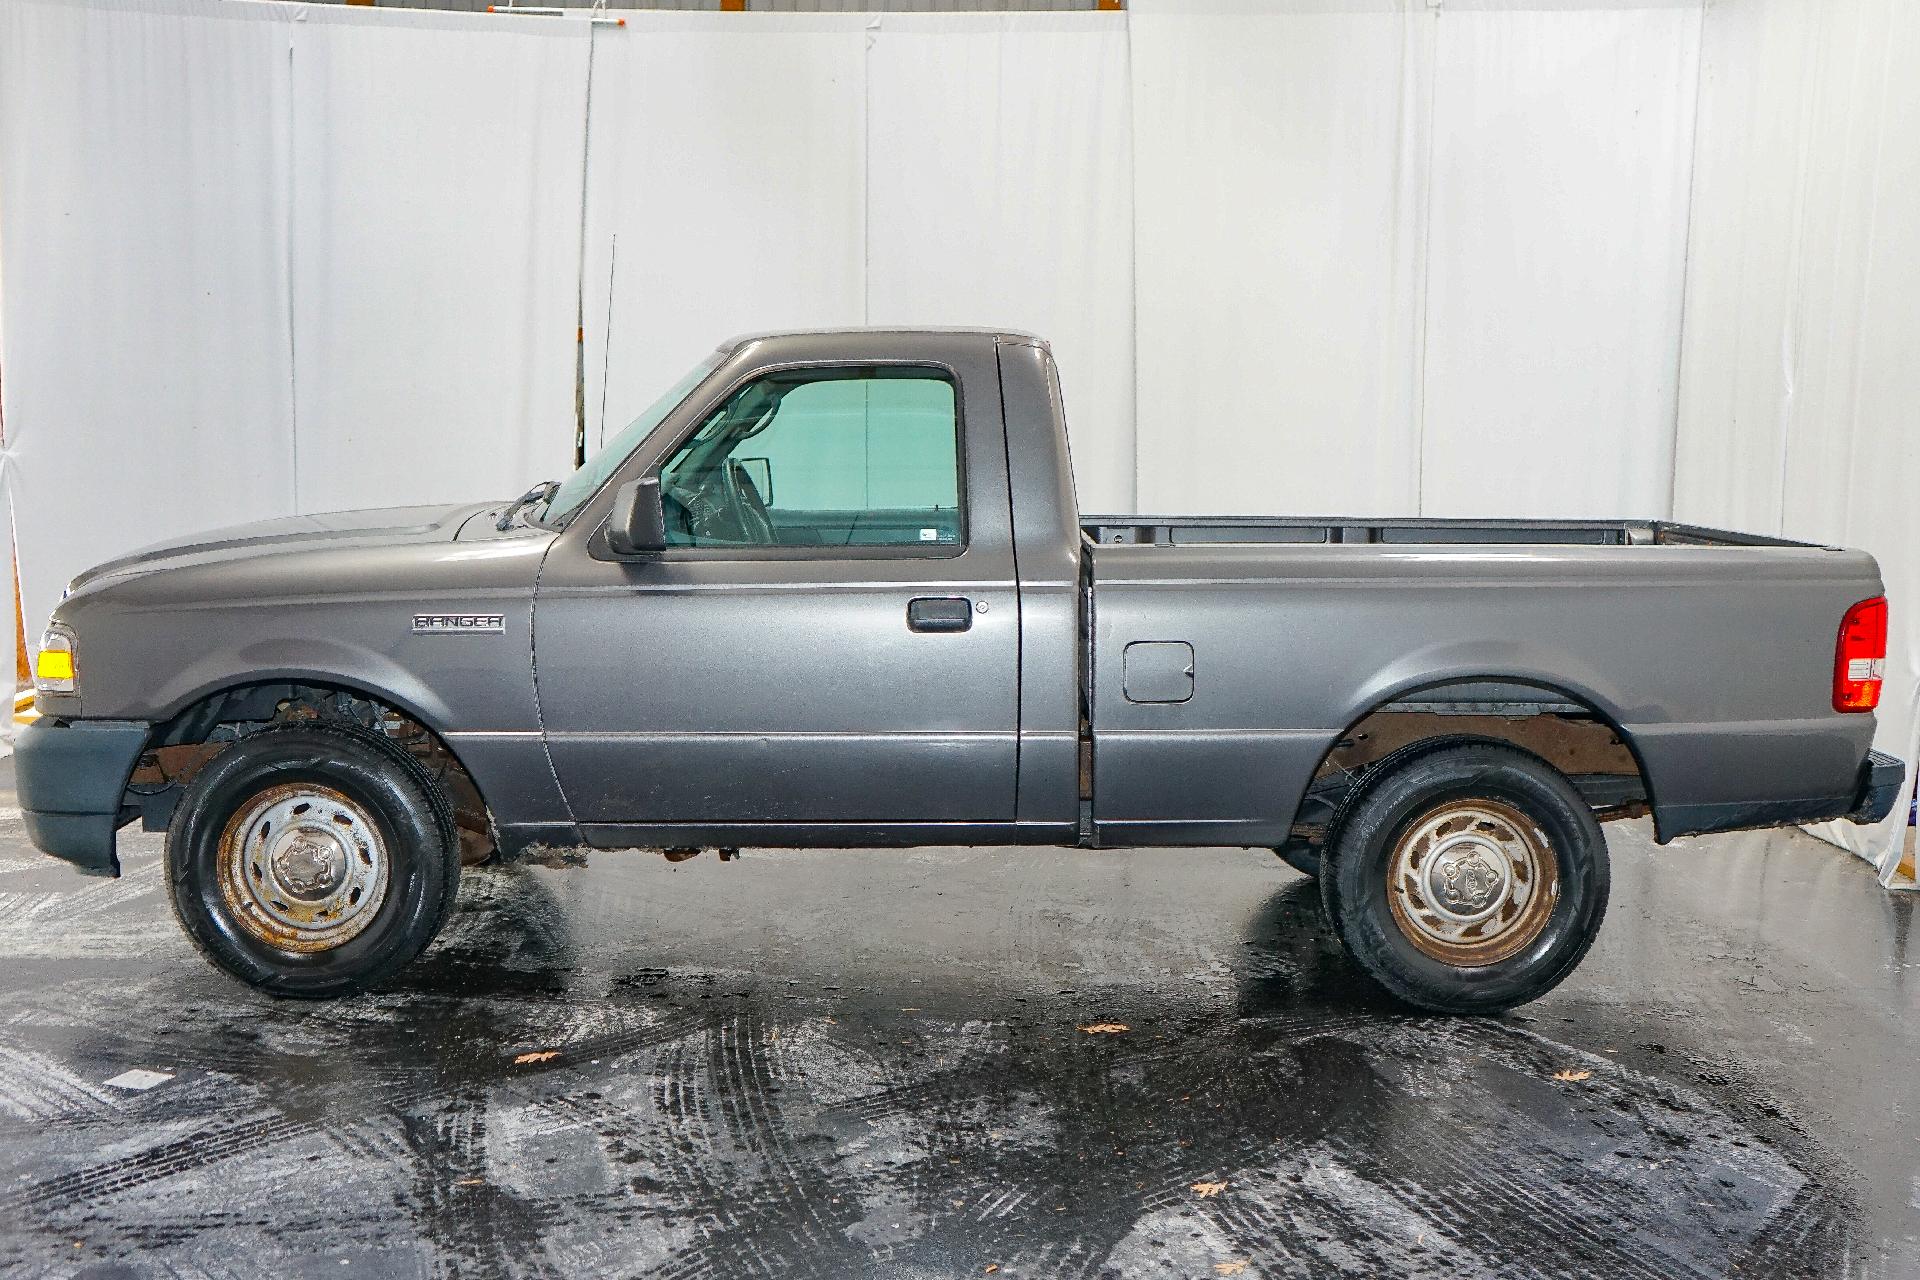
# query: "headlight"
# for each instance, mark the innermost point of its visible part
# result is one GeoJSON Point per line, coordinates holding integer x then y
{"type": "Point", "coordinates": [53, 667]}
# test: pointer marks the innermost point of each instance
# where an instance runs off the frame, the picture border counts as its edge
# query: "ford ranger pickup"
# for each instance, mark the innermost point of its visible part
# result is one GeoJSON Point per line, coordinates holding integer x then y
{"type": "Point", "coordinates": [833, 589]}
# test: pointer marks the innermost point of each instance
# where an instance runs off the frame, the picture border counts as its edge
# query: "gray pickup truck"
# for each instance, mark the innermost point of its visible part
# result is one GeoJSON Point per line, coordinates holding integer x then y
{"type": "Point", "coordinates": [832, 589]}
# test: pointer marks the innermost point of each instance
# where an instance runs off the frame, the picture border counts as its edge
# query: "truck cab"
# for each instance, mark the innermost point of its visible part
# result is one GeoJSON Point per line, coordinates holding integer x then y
{"type": "Point", "coordinates": [851, 629]}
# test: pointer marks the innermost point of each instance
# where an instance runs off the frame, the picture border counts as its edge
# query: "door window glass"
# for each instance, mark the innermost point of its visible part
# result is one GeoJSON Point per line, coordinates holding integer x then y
{"type": "Point", "coordinates": [822, 458]}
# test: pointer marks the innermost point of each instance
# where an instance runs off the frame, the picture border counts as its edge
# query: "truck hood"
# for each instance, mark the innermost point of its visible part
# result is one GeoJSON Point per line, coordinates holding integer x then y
{"type": "Point", "coordinates": [380, 526]}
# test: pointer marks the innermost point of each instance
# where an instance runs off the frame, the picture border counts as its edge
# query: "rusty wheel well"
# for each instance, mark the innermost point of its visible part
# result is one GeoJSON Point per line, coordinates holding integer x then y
{"type": "Point", "coordinates": [1566, 732]}
{"type": "Point", "coordinates": [181, 746]}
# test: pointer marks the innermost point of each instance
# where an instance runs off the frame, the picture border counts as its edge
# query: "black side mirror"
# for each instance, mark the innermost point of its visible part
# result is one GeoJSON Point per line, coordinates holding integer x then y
{"type": "Point", "coordinates": [638, 522]}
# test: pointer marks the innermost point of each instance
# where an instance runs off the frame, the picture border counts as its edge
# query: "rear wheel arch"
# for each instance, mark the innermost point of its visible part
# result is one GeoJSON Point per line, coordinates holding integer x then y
{"type": "Point", "coordinates": [1565, 729]}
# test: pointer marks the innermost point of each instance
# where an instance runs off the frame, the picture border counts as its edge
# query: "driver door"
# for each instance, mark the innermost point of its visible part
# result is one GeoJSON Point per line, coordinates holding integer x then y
{"type": "Point", "coordinates": [827, 650]}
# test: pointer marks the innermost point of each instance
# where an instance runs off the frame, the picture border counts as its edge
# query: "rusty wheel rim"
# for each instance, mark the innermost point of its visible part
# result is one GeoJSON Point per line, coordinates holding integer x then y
{"type": "Point", "coordinates": [303, 868]}
{"type": "Point", "coordinates": [1472, 882]}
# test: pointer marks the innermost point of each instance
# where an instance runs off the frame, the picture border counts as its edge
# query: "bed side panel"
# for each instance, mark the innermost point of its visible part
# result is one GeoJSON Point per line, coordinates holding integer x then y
{"type": "Point", "coordinates": [1716, 662]}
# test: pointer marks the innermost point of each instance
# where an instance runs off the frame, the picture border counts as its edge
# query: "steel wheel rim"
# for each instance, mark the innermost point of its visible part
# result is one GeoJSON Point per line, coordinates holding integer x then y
{"type": "Point", "coordinates": [303, 868]}
{"type": "Point", "coordinates": [1472, 882]}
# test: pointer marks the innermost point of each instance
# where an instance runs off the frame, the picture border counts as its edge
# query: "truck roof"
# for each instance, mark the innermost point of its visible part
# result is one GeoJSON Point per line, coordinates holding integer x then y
{"type": "Point", "coordinates": [1011, 335]}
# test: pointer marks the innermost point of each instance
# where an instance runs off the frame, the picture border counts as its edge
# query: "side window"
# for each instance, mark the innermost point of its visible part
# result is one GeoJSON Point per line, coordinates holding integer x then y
{"type": "Point", "coordinates": [856, 457]}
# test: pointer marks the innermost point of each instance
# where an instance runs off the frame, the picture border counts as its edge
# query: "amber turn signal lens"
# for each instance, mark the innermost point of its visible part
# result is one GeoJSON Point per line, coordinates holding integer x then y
{"type": "Point", "coordinates": [54, 664]}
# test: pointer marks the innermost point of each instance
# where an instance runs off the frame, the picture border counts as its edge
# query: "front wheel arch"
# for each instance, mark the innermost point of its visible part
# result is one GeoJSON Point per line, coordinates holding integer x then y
{"type": "Point", "coordinates": [256, 702]}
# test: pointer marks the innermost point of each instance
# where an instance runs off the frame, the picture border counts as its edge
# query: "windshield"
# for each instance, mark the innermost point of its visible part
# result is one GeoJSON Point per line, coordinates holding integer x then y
{"type": "Point", "coordinates": [584, 483]}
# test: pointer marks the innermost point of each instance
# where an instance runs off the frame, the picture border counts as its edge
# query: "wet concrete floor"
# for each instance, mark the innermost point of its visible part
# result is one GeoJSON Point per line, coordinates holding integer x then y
{"type": "Point", "coordinates": [845, 1064]}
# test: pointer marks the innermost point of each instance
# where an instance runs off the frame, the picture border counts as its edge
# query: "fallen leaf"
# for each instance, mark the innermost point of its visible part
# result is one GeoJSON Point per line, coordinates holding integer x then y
{"type": "Point", "coordinates": [1572, 1077]}
{"type": "Point", "coordinates": [538, 1055]}
{"type": "Point", "coordinates": [1233, 1268]}
{"type": "Point", "coordinates": [992, 1267]}
{"type": "Point", "coordinates": [1106, 1028]}
{"type": "Point", "coordinates": [1208, 1190]}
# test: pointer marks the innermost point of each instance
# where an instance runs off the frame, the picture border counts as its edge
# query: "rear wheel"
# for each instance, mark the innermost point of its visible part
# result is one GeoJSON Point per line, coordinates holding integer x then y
{"type": "Point", "coordinates": [312, 860]}
{"type": "Point", "coordinates": [1467, 879]}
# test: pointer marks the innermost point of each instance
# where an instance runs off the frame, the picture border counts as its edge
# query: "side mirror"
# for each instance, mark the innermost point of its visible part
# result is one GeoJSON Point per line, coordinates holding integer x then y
{"type": "Point", "coordinates": [638, 522]}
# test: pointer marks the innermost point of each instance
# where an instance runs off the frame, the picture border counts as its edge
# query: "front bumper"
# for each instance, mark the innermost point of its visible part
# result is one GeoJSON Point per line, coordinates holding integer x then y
{"type": "Point", "coordinates": [71, 777]}
{"type": "Point", "coordinates": [1880, 779]}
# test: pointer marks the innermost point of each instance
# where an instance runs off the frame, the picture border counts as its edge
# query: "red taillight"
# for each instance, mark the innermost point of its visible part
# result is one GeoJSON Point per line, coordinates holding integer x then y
{"type": "Point", "coordinates": [1860, 659]}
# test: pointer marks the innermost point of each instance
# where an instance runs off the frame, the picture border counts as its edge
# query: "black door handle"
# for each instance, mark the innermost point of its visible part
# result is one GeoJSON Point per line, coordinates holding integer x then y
{"type": "Point", "coordinates": [940, 613]}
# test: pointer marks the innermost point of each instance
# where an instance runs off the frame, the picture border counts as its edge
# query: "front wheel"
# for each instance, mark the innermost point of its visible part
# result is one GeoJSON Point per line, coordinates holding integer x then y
{"type": "Point", "coordinates": [1301, 856]}
{"type": "Point", "coordinates": [312, 860]}
{"type": "Point", "coordinates": [1467, 879]}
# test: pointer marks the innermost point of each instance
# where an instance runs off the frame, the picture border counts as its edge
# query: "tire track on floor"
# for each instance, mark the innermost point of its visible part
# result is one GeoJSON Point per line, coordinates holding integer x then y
{"type": "Point", "coordinates": [259, 1129]}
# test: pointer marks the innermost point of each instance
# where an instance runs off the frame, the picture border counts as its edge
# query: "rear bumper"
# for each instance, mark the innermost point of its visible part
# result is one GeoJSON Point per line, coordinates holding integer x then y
{"type": "Point", "coordinates": [1876, 790]}
{"type": "Point", "coordinates": [71, 778]}
{"type": "Point", "coordinates": [1880, 779]}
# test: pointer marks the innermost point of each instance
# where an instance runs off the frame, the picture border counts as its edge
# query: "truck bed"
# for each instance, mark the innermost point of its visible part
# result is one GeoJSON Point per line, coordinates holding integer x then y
{"type": "Point", "coordinates": [1709, 652]}
{"type": "Point", "coordinates": [1164, 531]}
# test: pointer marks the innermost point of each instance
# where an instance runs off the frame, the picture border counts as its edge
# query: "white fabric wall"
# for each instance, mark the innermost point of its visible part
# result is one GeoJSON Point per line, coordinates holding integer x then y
{"type": "Point", "coordinates": [1279, 185]}
{"type": "Point", "coordinates": [265, 258]}
{"type": "Point", "coordinates": [435, 185]}
{"type": "Point", "coordinates": [837, 169]}
{"type": "Point", "coordinates": [1799, 382]}
{"type": "Point", "coordinates": [999, 193]}
{"type": "Point", "coordinates": [1562, 149]}
{"type": "Point", "coordinates": [146, 370]}
{"type": "Point", "coordinates": [1331, 235]}
{"type": "Point", "coordinates": [1405, 258]}
{"type": "Point", "coordinates": [728, 181]}
{"type": "Point", "coordinates": [9, 570]}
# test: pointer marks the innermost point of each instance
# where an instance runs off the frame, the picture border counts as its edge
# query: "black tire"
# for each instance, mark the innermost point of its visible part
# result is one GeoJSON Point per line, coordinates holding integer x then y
{"type": "Point", "coordinates": [386, 791]}
{"type": "Point", "coordinates": [1416, 794]}
{"type": "Point", "coordinates": [1301, 856]}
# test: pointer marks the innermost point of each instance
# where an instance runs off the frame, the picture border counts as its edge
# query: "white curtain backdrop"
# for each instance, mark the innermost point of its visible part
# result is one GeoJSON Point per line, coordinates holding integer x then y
{"type": "Point", "coordinates": [1280, 158]}
{"type": "Point", "coordinates": [1411, 258]}
{"type": "Point", "coordinates": [728, 181]}
{"type": "Point", "coordinates": [1315, 256]}
{"type": "Point", "coordinates": [147, 369]}
{"type": "Point", "coordinates": [844, 169]}
{"type": "Point", "coordinates": [434, 254]}
{"type": "Point", "coordinates": [1799, 378]}
{"type": "Point", "coordinates": [999, 188]}
{"type": "Point", "coordinates": [9, 570]}
{"type": "Point", "coordinates": [1562, 146]}
{"type": "Point", "coordinates": [266, 258]}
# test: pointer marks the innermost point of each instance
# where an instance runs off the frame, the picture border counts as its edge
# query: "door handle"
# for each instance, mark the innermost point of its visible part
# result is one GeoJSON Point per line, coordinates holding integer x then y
{"type": "Point", "coordinates": [939, 613]}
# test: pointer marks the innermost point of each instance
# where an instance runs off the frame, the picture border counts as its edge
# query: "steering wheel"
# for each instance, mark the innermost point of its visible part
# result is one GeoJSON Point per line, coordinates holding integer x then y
{"type": "Point", "coordinates": [753, 508]}
{"type": "Point", "coordinates": [723, 506]}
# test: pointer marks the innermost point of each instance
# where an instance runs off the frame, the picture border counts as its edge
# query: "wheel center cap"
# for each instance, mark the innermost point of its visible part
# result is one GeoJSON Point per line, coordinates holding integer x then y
{"type": "Point", "coordinates": [310, 864]}
{"type": "Point", "coordinates": [1466, 879]}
